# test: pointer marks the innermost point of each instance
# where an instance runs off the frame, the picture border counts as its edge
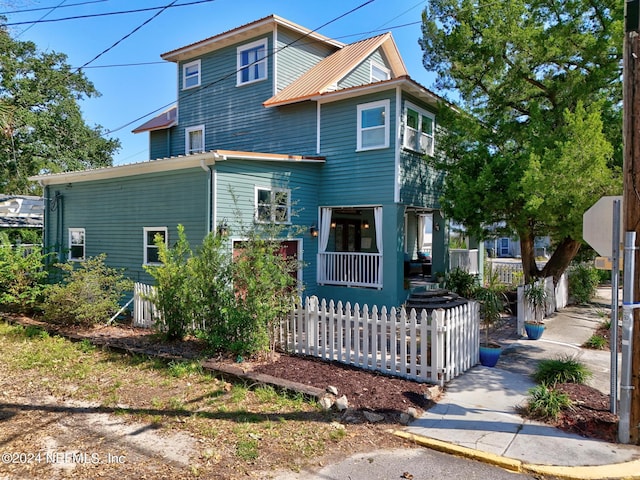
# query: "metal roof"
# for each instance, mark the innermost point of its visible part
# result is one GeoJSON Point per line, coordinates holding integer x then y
{"type": "Point", "coordinates": [21, 211]}
{"type": "Point", "coordinates": [324, 76]}
{"type": "Point", "coordinates": [166, 119]}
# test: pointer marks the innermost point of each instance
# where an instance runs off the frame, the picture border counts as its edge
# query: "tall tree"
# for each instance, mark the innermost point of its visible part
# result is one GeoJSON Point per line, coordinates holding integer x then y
{"type": "Point", "coordinates": [540, 139]}
{"type": "Point", "coordinates": [41, 125]}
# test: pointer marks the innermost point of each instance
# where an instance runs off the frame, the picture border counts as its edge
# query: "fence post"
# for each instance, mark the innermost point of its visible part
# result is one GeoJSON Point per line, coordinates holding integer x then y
{"type": "Point", "coordinates": [440, 369]}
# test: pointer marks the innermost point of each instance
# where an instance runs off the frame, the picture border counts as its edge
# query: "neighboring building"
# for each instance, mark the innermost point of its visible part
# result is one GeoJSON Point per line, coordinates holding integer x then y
{"type": "Point", "coordinates": [274, 123]}
{"type": "Point", "coordinates": [509, 247]}
{"type": "Point", "coordinates": [21, 211]}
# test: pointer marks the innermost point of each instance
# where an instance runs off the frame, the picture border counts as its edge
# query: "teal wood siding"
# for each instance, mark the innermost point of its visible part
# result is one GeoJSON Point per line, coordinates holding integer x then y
{"type": "Point", "coordinates": [114, 213]}
{"type": "Point", "coordinates": [234, 117]}
{"type": "Point", "coordinates": [361, 75]}
{"type": "Point", "coordinates": [235, 187]}
{"type": "Point", "coordinates": [160, 143]}
{"type": "Point", "coordinates": [350, 177]}
{"type": "Point", "coordinates": [296, 55]}
{"type": "Point", "coordinates": [420, 182]}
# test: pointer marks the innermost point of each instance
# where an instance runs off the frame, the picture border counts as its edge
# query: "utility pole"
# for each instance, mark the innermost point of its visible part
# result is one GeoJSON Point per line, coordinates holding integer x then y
{"type": "Point", "coordinates": [631, 200]}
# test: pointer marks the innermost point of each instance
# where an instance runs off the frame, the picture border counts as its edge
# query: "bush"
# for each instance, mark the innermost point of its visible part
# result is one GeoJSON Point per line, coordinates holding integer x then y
{"type": "Point", "coordinates": [89, 293]}
{"type": "Point", "coordinates": [22, 276]}
{"type": "Point", "coordinates": [461, 282]}
{"type": "Point", "coordinates": [561, 370]}
{"type": "Point", "coordinates": [596, 342]}
{"type": "Point", "coordinates": [583, 280]}
{"type": "Point", "coordinates": [545, 403]}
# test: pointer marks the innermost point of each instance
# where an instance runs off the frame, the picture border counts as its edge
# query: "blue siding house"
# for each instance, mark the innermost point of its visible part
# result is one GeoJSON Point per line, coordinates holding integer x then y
{"type": "Point", "coordinates": [274, 123]}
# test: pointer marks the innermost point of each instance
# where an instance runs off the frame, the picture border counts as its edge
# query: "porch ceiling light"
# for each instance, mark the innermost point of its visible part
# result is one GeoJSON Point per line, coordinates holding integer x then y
{"type": "Point", "coordinates": [365, 224]}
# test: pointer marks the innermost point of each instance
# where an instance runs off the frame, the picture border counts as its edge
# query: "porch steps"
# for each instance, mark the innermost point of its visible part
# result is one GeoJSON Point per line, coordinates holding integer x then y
{"type": "Point", "coordinates": [434, 299]}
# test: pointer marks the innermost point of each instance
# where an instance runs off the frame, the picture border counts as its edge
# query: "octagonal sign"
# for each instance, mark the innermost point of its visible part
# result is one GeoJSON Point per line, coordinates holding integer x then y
{"type": "Point", "coordinates": [597, 225]}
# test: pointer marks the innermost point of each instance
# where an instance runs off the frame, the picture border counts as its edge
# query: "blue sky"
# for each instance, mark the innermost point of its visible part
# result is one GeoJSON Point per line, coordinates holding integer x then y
{"type": "Point", "coordinates": [130, 92]}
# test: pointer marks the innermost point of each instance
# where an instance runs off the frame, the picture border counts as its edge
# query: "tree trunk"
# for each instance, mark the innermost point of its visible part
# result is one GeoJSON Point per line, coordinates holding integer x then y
{"type": "Point", "coordinates": [561, 258]}
{"type": "Point", "coordinates": [556, 265]}
{"type": "Point", "coordinates": [527, 250]}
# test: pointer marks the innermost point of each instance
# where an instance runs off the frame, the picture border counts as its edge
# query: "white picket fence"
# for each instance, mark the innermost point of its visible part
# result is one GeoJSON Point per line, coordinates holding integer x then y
{"type": "Point", "coordinates": [431, 348]}
{"type": "Point", "coordinates": [558, 298]}
{"type": "Point", "coordinates": [144, 311]}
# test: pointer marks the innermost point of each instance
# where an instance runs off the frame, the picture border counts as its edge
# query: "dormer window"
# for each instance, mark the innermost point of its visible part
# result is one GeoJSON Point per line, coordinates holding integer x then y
{"type": "Point", "coordinates": [418, 130]}
{"type": "Point", "coordinates": [252, 62]}
{"type": "Point", "coordinates": [194, 140]}
{"type": "Point", "coordinates": [191, 75]}
{"type": "Point", "coordinates": [379, 72]}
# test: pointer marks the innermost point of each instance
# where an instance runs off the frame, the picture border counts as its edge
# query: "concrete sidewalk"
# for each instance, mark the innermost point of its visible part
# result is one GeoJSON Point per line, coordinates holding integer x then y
{"type": "Point", "coordinates": [477, 416]}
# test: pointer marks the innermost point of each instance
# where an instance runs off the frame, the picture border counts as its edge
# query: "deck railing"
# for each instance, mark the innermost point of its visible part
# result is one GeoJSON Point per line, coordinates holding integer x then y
{"type": "Point", "coordinates": [351, 269]}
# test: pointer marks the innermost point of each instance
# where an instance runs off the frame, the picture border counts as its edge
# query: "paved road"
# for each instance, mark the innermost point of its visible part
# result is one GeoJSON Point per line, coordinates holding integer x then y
{"type": "Point", "coordinates": [411, 463]}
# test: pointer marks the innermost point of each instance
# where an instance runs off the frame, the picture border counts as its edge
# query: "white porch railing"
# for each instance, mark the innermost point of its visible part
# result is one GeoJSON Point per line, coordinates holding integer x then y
{"type": "Point", "coordinates": [351, 269]}
{"type": "Point", "coordinates": [431, 348]}
{"type": "Point", "coordinates": [463, 259]}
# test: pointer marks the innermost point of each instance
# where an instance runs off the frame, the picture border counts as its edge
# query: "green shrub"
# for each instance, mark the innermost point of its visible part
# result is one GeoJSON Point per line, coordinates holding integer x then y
{"type": "Point", "coordinates": [561, 370]}
{"type": "Point", "coordinates": [583, 280]}
{"type": "Point", "coordinates": [596, 342]}
{"type": "Point", "coordinates": [22, 276]}
{"type": "Point", "coordinates": [545, 403]}
{"type": "Point", "coordinates": [461, 282]}
{"type": "Point", "coordinates": [172, 296]}
{"type": "Point", "coordinates": [89, 293]}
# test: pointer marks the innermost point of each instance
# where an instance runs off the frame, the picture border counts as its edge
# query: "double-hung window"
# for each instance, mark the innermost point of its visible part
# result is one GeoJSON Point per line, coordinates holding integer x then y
{"type": "Point", "coordinates": [76, 244]}
{"type": "Point", "coordinates": [373, 125]}
{"type": "Point", "coordinates": [151, 250]}
{"type": "Point", "coordinates": [194, 139]}
{"type": "Point", "coordinates": [379, 72]}
{"type": "Point", "coordinates": [252, 62]}
{"type": "Point", "coordinates": [418, 131]}
{"type": "Point", "coordinates": [191, 75]}
{"type": "Point", "coordinates": [273, 205]}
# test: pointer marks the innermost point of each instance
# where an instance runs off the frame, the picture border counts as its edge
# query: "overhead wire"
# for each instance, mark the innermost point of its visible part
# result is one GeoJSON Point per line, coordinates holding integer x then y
{"type": "Point", "coordinates": [27, 10]}
{"type": "Point", "coordinates": [51, 10]}
{"type": "Point", "coordinates": [235, 72]}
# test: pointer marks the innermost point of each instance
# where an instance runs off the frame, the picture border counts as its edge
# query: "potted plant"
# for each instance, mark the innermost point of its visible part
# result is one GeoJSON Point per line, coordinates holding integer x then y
{"type": "Point", "coordinates": [491, 299]}
{"type": "Point", "coordinates": [536, 296]}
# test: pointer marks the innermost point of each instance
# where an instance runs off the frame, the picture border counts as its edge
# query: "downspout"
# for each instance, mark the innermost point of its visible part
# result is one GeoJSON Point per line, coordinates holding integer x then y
{"type": "Point", "coordinates": [207, 169]}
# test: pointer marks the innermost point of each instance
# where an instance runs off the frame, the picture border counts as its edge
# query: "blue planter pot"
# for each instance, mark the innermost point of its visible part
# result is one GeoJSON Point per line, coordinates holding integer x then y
{"type": "Point", "coordinates": [534, 330]}
{"type": "Point", "coordinates": [489, 356]}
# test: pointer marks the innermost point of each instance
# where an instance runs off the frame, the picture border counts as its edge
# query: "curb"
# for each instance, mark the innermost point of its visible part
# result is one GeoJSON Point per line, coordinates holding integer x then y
{"type": "Point", "coordinates": [626, 471]}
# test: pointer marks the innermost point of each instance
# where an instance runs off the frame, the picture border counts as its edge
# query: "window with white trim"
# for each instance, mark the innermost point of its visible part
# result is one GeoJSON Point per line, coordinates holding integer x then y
{"type": "Point", "coordinates": [191, 75]}
{"type": "Point", "coordinates": [273, 205]}
{"type": "Point", "coordinates": [379, 72]}
{"type": "Point", "coordinates": [252, 62]}
{"type": "Point", "coordinates": [373, 125]}
{"type": "Point", "coordinates": [151, 249]}
{"type": "Point", "coordinates": [418, 129]}
{"type": "Point", "coordinates": [194, 139]}
{"type": "Point", "coordinates": [76, 244]}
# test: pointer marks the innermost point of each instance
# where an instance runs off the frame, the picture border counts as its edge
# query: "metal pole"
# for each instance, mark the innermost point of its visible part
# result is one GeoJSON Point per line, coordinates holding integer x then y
{"type": "Point", "coordinates": [627, 337]}
{"type": "Point", "coordinates": [615, 273]}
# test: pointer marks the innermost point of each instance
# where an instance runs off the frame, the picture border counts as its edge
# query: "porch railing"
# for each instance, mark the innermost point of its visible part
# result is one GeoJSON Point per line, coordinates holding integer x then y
{"type": "Point", "coordinates": [351, 269]}
{"type": "Point", "coordinates": [463, 259]}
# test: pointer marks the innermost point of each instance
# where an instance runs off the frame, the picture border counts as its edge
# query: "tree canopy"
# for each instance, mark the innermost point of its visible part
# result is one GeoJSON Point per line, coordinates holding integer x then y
{"type": "Point", "coordinates": [537, 135]}
{"type": "Point", "coordinates": [41, 124]}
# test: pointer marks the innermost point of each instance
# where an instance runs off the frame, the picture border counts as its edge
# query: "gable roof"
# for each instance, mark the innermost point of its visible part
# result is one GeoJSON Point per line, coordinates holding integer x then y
{"type": "Point", "coordinates": [243, 33]}
{"type": "Point", "coordinates": [323, 76]}
{"type": "Point", "coordinates": [166, 119]}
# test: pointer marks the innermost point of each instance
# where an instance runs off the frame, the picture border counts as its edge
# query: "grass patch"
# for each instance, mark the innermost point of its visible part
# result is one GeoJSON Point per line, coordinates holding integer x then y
{"type": "Point", "coordinates": [545, 403]}
{"type": "Point", "coordinates": [596, 342]}
{"type": "Point", "coordinates": [561, 370]}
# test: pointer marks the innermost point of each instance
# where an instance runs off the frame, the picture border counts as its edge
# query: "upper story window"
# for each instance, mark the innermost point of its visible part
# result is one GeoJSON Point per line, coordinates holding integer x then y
{"type": "Point", "coordinates": [379, 72]}
{"type": "Point", "coordinates": [419, 128]}
{"type": "Point", "coordinates": [194, 140]}
{"type": "Point", "coordinates": [76, 244]}
{"type": "Point", "coordinates": [373, 125]}
{"type": "Point", "coordinates": [151, 249]}
{"type": "Point", "coordinates": [252, 62]}
{"type": "Point", "coordinates": [191, 75]}
{"type": "Point", "coordinates": [273, 205]}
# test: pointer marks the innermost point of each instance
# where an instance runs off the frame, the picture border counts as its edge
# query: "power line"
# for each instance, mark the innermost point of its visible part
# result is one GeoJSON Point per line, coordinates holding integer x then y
{"type": "Point", "coordinates": [128, 35]}
{"type": "Point", "coordinates": [235, 72]}
{"type": "Point", "coordinates": [105, 14]}
{"type": "Point", "coordinates": [26, 10]}
{"type": "Point", "coordinates": [51, 10]}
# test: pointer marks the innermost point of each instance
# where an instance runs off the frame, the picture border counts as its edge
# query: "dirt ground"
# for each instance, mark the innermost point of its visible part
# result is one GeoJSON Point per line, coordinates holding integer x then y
{"type": "Point", "coordinates": [91, 441]}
